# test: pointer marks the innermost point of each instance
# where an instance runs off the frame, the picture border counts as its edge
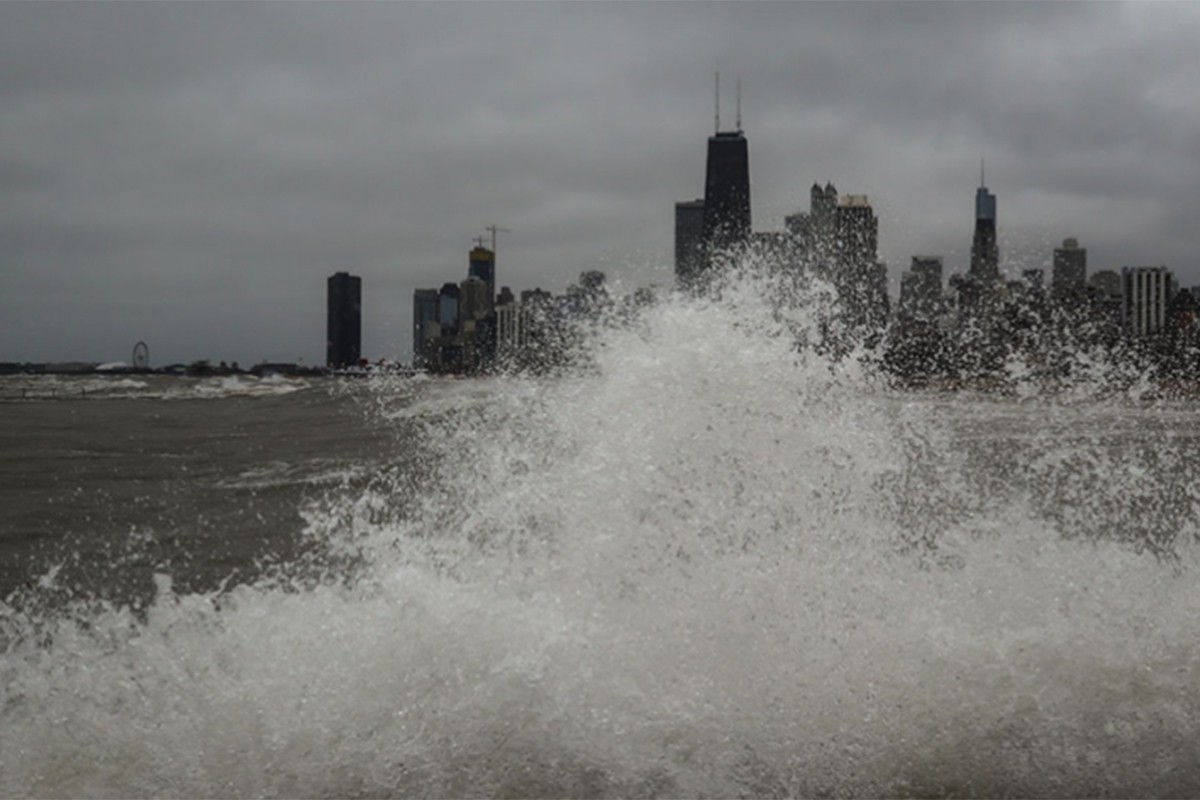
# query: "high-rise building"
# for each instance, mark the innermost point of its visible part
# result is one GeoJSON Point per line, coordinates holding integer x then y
{"type": "Point", "coordinates": [473, 299]}
{"type": "Point", "coordinates": [856, 238]}
{"type": "Point", "coordinates": [689, 241]}
{"type": "Point", "coordinates": [853, 252]}
{"type": "Point", "coordinates": [448, 298]}
{"type": "Point", "coordinates": [343, 330]}
{"type": "Point", "coordinates": [726, 193]}
{"type": "Point", "coordinates": [1070, 268]}
{"type": "Point", "coordinates": [482, 265]}
{"type": "Point", "coordinates": [823, 205]}
{"type": "Point", "coordinates": [921, 289]}
{"type": "Point", "coordinates": [513, 324]}
{"type": "Point", "coordinates": [985, 252]}
{"type": "Point", "coordinates": [1106, 282]}
{"type": "Point", "coordinates": [813, 233]}
{"type": "Point", "coordinates": [1144, 295]}
{"type": "Point", "coordinates": [425, 311]}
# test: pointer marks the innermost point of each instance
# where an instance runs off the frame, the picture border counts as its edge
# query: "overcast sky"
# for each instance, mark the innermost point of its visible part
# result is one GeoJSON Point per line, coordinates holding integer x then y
{"type": "Point", "coordinates": [191, 173]}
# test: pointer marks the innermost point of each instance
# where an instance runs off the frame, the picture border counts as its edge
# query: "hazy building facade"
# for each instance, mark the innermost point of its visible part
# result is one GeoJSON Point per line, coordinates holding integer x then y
{"type": "Point", "coordinates": [513, 325]}
{"type": "Point", "coordinates": [1105, 282]}
{"type": "Point", "coordinates": [343, 329]}
{"type": "Point", "coordinates": [1069, 275]}
{"type": "Point", "coordinates": [860, 278]}
{"type": "Point", "coordinates": [689, 241]}
{"type": "Point", "coordinates": [474, 300]}
{"type": "Point", "coordinates": [1145, 292]}
{"type": "Point", "coordinates": [482, 265]}
{"type": "Point", "coordinates": [822, 221]}
{"type": "Point", "coordinates": [921, 289]}
{"type": "Point", "coordinates": [856, 238]}
{"type": "Point", "coordinates": [448, 298]}
{"type": "Point", "coordinates": [425, 312]}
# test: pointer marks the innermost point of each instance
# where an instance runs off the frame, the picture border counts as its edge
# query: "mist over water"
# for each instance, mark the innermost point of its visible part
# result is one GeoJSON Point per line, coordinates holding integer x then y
{"type": "Point", "coordinates": [710, 564]}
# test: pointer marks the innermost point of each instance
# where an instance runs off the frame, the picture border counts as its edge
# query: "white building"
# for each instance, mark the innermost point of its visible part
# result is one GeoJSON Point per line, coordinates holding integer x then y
{"type": "Point", "coordinates": [1144, 295]}
{"type": "Point", "coordinates": [513, 324]}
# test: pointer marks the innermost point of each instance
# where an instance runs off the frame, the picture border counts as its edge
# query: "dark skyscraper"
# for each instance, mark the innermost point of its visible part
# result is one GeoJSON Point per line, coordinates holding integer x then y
{"type": "Point", "coordinates": [856, 235]}
{"type": "Point", "coordinates": [448, 299]}
{"type": "Point", "coordinates": [856, 267]}
{"type": "Point", "coordinates": [1070, 268]}
{"type": "Point", "coordinates": [723, 216]}
{"type": "Point", "coordinates": [727, 192]}
{"type": "Point", "coordinates": [985, 253]}
{"type": "Point", "coordinates": [425, 311]}
{"type": "Point", "coordinates": [689, 241]}
{"type": "Point", "coordinates": [823, 223]}
{"type": "Point", "coordinates": [921, 289]}
{"type": "Point", "coordinates": [343, 339]}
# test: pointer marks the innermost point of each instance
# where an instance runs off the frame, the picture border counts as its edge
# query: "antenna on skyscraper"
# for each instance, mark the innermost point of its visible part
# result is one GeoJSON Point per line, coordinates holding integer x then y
{"type": "Point", "coordinates": [982, 182]}
{"type": "Point", "coordinates": [718, 95]}
{"type": "Point", "coordinates": [739, 105]}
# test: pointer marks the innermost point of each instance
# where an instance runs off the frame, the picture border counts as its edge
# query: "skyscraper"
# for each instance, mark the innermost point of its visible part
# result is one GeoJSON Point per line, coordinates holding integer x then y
{"type": "Point", "coordinates": [853, 251]}
{"type": "Point", "coordinates": [823, 205]}
{"type": "Point", "coordinates": [727, 192]}
{"type": "Point", "coordinates": [448, 299]}
{"type": "Point", "coordinates": [1144, 295]}
{"type": "Point", "coordinates": [474, 301]}
{"type": "Point", "coordinates": [425, 311]}
{"type": "Point", "coordinates": [724, 212]}
{"type": "Point", "coordinates": [1070, 268]}
{"type": "Point", "coordinates": [985, 252]}
{"type": "Point", "coordinates": [689, 241]}
{"type": "Point", "coordinates": [856, 241]}
{"type": "Point", "coordinates": [482, 265]}
{"type": "Point", "coordinates": [343, 337]}
{"type": "Point", "coordinates": [921, 289]}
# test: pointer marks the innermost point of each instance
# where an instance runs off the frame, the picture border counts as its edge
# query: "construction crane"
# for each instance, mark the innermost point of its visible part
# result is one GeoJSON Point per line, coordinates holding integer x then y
{"type": "Point", "coordinates": [494, 229]}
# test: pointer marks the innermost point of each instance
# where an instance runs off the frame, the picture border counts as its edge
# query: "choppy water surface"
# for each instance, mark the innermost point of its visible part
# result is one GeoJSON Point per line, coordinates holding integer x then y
{"type": "Point", "coordinates": [711, 566]}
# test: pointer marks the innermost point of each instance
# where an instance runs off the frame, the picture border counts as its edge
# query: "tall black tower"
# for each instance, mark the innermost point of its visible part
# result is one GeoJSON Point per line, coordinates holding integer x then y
{"type": "Point", "coordinates": [727, 192]}
{"type": "Point", "coordinates": [343, 340]}
{"type": "Point", "coordinates": [985, 253]}
{"type": "Point", "coordinates": [726, 185]}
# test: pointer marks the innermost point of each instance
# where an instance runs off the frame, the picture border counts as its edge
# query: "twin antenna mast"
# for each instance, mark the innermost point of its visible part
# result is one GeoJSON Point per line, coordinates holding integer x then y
{"type": "Point", "coordinates": [739, 104]}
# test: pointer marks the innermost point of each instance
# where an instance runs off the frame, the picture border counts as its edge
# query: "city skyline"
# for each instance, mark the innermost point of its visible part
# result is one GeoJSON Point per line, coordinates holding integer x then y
{"type": "Point", "coordinates": [190, 175]}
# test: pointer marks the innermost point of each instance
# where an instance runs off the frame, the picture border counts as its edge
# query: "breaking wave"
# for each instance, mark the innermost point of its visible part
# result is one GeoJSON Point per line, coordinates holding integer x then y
{"type": "Point", "coordinates": [713, 563]}
{"type": "Point", "coordinates": [16, 388]}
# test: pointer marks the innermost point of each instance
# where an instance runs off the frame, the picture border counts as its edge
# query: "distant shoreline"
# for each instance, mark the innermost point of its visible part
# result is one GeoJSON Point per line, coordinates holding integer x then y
{"type": "Point", "coordinates": [287, 370]}
{"type": "Point", "coordinates": [997, 387]}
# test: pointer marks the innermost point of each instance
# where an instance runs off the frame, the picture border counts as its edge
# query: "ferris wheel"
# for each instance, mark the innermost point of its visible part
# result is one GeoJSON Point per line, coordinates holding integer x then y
{"type": "Point", "coordinates": [141, 356]}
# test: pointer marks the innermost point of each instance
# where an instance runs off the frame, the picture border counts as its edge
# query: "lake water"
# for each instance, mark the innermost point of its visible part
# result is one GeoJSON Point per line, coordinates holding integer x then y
{"type": "Point", "coordinates": [709, 566]}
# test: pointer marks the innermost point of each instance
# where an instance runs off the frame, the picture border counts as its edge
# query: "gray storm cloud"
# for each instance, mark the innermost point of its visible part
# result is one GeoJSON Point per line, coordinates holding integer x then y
{"type": "Point", "coordinates": [189, 174]}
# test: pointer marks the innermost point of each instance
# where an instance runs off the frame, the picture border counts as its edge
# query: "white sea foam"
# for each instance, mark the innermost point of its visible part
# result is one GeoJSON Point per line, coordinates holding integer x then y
{"type": "Point", "coordinates": [222, 387]}
{"type": "Point", "coordinates": [51, 387]}
{"type": "Point", "coordinates": [315, 472]}
{"type": "Point", "coordinates": [712, 565]}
